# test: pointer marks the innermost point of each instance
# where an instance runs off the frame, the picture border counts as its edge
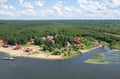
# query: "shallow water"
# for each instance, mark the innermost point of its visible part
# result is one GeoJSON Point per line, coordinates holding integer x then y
{"type": "Point", "coordinates": [74, 68]}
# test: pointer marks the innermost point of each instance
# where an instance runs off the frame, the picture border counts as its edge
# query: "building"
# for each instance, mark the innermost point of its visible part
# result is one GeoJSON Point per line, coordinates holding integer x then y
{"type": "Point", "coordinates": [47, 38]}
{"type": "Point", "coordinates": [96, 44]}
{"type": "Point", "coordinates": [6, 45]}
{"type": "Point", "coordinates": [76, 41]}
{"type": "Point", "coordinates": [28, 50]}
{"type": "Point", "coordinates": [1, 42]}
{"type": "Point", "coordinates": [17, 47]}
{"type": "Point", "coordinates": [32, 40]}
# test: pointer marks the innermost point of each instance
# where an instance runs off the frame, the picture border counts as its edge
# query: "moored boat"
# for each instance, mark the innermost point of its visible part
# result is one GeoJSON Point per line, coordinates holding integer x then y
{"type": "Point", "coordinates": [7, 58]}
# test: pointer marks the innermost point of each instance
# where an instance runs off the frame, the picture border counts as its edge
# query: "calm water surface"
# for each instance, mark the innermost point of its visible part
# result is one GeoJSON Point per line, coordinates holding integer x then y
{"type": "Point", "coordinates": [74, 68]}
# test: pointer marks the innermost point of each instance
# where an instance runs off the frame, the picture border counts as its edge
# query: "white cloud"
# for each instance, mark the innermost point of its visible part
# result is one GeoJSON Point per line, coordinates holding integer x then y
{"type": "Point", "coordinates": [61, 9]}
{"type": "Point", "coordinates": [7, 7]}
{"type": "Point", "coordinates": [72, 9]}
{"type": "Point", "coordinates": [112, 4]}
{"type": "Point", "coordinates": [39, 3]}
{"type": "Point", "coordinates": [58, 7]}
{"type": "Point", "coordinates": [90, 5]}
{"type": "Point", "coordinates": [83, 1]}
{"type": "Point", "coordinates": [100, 9]}
{"type": "Point", "coordinates": [20, 2]}
{"type": "Point", "coordinates": [27, 13]}
{"type": "Point", "coordinates": [28, 5]}
{"type": "Point", "coordinates": [11, 7]}
{"type": "Point", "coordinates": [66, 8]}
{"type": "Point", "coordinates": [97, 5]}
{"type": "Point", "coordinates": [3, 1]}
{"type": "Point", "coordinates": [6, 13]}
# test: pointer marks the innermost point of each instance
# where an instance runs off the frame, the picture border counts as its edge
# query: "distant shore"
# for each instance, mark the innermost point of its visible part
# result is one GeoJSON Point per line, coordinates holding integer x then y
{"type": "Point", "coordinates": [40, 55]}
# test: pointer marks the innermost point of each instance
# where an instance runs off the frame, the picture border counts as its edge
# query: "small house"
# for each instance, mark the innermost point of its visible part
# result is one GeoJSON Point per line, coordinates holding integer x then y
{"type": "Point", "coordinates": [6, 45]}
{"type": "Point", "coordinates": [48, 38]}
{"type": "Point", "coordinates": [97, 44]}
{"type": "Point", "coordinates": [77, 41]}
{"type": "Point", "coordinates": [1, 42]}
{"type": "Point", "coordinates": [17, 47]}
{"type": "Point", "coordinates": [32, 40]}
{"type": "Point", "coordinates": [28, 50]}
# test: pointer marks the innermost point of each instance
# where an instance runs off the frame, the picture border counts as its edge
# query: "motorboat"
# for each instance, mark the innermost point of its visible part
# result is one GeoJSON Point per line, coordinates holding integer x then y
{"type": "Point", "coordinates": [8, 58]}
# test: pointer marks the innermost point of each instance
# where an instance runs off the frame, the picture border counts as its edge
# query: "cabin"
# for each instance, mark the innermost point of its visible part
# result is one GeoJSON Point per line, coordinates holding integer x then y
{"type": "Point", "coordinates": [28, 50]}
{"type": "Point", "coordinates": [1, 42]}
{"type": "Point", "coordinates": [17, 47]}
{"type": "Point", "coordinates": [96, 44]}
{"type": "Point", "coordinates": [32, 40]}
{"type": "Point", "coordinates": [48, 38]}
{"type": "Point", "coordinates": [77, 41]}
{"type": "Point", "coordinates": [6, 45]}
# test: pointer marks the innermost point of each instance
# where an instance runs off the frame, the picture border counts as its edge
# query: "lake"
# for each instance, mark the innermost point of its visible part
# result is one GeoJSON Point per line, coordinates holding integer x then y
{"type": "Point", "coordinates": [74, 68]}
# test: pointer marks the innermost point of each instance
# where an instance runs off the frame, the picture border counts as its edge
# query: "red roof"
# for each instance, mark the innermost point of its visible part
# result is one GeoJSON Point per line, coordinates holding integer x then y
{"type": "Point", "coordinates": [6, 45]}
{"type": "Point", "coordinates": [1, 41]}
{"type": "Point", "coordinates": [28, 50]}
{"type": "Point", "coordinates": [17, 47]}
{"type": "Point", "coordinates": [77, 41]}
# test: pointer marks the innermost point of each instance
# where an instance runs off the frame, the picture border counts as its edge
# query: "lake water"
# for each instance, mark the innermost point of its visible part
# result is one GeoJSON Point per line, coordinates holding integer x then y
{"type": "Point", "coordinates": [74, 68]}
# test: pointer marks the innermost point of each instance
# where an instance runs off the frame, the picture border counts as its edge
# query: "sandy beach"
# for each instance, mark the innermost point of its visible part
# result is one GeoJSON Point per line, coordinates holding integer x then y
{"type": "Point", "coordinates": [21, 53]}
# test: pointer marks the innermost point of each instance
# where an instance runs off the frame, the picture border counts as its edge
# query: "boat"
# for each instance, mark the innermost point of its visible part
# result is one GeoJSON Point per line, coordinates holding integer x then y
{"type": "Point", "coordinates": [8, 58]}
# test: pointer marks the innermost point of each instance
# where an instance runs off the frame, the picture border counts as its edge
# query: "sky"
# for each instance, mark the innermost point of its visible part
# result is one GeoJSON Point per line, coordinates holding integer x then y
{"type": "Point", "coordinates": [59, 9]}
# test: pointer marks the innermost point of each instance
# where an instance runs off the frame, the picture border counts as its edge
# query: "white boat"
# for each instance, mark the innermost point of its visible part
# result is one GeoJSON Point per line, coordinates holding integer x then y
{"type": "Point", "coordinates": [7, 58]}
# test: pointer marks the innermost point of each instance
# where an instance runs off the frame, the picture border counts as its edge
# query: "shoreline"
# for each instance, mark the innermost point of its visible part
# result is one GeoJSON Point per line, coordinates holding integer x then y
{"type": "Point", "coordinates": [41, 55]}
{"type": "Point", "coordinates": [22, 53]}
{"type": "Point", "coordinates": [88, 50]}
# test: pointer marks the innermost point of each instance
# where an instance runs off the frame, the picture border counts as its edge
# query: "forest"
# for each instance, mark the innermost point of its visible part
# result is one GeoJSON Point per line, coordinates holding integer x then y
{"type": "Point", "coordinates": [62, 33]}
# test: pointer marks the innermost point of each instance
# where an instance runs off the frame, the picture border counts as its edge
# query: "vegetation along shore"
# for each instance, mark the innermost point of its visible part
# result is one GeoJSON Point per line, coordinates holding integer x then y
{"type": "Point", "coordinates": [57, 39]}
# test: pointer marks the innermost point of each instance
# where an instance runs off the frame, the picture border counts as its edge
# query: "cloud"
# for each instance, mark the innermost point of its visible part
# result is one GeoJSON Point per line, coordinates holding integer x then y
{"type": "Point", "coordinates": [3, 1]}
{"type": "Point", "coordinates": [112, 4]}
{"type": "Point", "coordinates": [83, 1]}
{"type": "Point", "coordinates": [11, 7]}
{"type": "Point", "coordinates": [25, 4]}
{"type": "Point", "coordinates": [39, 3]}
{"type": "Point", "coordinates": [27, 12]}
{"type": "Point", "coordinates": [28, 5]}
{"type": "Point", "coordinates": [58, 7]}
{"type": "Point", "coordinates": [97, 5]}
{"type": "Point", "coordinates": [6, 7]}
{"type": "Point", "coordinates": [20, 2]}
{"type": "Point", "coordinates": [6, 13]}
{"type": "Point", "coordinates": [72, 9]}
{"type": "Point", "coordinates": [66, 8]}
{"type": "Point", "coordinates": [99, 9]}
{"type": "Point", "coordinates": [89, 5]}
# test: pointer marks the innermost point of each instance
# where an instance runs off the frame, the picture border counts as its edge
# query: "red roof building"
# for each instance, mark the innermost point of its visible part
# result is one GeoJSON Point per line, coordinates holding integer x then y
{"type": "Point", "coordinates": [6, 45]}
{"type": "Point", "coordinates": [28, 50]}
{"type": "Point", "coordinates": [48, 38]}
{"type": "Point", "coordinates": [77, 41]}
{"type": "Point", "coordinates": [1, 42]}
{"type": "Point", "coordinates": [17, 47]}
